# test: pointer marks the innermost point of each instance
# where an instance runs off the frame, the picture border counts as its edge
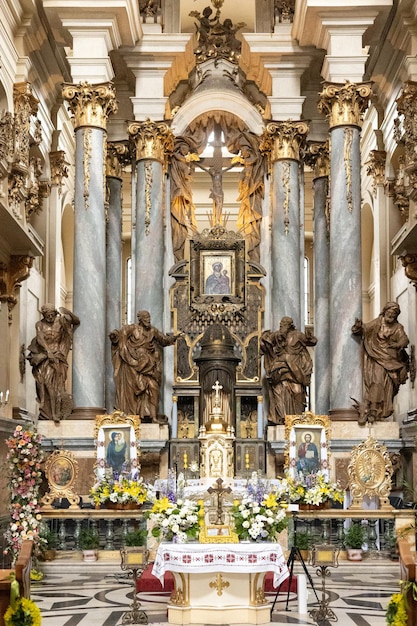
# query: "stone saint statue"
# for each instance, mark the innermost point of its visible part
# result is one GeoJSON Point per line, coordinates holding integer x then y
{"type": "Point", "coordinates": [288, 368]}
{"type": "Point", "coordinates": [385, 364]}
{"type": "Point", "coordinates": [48, 353]}
{"type": "Point", "coordinates": [137, 365]}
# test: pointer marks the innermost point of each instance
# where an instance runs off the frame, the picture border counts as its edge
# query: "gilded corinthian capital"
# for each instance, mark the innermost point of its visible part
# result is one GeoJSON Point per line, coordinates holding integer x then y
{"type": "Point", "coordinates": [317, 157]}
{"type": "Point", "coordinates": [118, 156]}
{"type": "Point", "coordinates": [153, 140]}
{"type": "Point", "coordinates": [345, 104]}
{"type": "Point", "coordinates": [287, 139]}
{"type": "Point", "coordinates": [90, 104]}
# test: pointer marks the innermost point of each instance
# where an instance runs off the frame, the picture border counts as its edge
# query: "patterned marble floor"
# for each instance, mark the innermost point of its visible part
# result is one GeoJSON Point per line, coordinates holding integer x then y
{"type": "Point", "coordinates": [84, 596]}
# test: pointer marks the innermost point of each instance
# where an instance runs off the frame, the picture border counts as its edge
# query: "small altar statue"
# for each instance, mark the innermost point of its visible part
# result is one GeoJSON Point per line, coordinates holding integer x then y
{"type": "Point", "coordinates": [217, 439]}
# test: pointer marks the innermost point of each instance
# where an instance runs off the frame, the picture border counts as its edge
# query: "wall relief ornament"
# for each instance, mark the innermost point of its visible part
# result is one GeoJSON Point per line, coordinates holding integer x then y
{"type": "Point", "coordinates": [376, 168]}
{"type": "Point", "coordinates": [370, 472]}
{"type": "Point", "coordinates": [409, 262]}
{"type": "Point", "coordinates": [59, 168]}
{"type": "Point", "coordinates": [407, 107]}
{"type": "Point", "coordinates": [11, 276]}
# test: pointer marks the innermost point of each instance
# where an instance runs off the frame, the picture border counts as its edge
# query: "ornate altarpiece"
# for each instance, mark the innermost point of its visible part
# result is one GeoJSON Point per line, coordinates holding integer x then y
{"type": "Point", "coordinates": [221, 329]}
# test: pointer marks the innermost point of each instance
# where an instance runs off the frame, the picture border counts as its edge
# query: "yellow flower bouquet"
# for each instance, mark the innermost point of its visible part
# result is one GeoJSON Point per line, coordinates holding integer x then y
{"type": "Point", "coordinates": [122, 491]}
{"type": "Point", "coordinates": [23, 613]}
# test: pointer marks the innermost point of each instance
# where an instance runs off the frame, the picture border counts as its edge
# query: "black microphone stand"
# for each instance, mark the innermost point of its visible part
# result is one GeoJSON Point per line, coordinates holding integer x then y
{"type": "Point", "coordinates": [294, 554]}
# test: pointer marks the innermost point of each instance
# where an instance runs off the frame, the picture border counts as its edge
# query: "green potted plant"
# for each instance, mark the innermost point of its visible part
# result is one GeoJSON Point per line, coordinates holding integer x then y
{"type": "Point", "coordinates": [302, 542]}
{"type": "Point", "coordinates": [136, 537]}
{"type": "Point", "coordinates": [89, 542]}
{"type": "Point", "coordinates": [48, 545]}
{"type": "Point", "coordinates": [354, 538]}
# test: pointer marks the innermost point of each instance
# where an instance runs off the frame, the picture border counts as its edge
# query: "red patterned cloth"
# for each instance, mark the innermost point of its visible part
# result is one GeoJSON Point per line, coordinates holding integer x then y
{"type": "Point", "coordinates": [221, 557]}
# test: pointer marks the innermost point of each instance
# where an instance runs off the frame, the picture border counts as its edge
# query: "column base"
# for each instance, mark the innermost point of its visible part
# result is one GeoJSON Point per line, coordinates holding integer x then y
{"type": "Point", "coordinates": [86, 413]}
{"type": "Point", "coordinates": [343, 415]}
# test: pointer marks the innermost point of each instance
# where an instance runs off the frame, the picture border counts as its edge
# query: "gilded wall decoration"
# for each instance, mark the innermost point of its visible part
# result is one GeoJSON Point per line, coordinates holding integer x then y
{"type": "Point", "coordinates": [347, 160]}
{"type": "Point", "coordinates": [370, 473]}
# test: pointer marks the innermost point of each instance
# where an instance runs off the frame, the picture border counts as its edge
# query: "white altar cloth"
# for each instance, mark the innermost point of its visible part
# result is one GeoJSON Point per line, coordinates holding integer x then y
{"type": "Point", "coordinates": [219, 583]}
{"type": "Point", "coordinates": [221, 557]}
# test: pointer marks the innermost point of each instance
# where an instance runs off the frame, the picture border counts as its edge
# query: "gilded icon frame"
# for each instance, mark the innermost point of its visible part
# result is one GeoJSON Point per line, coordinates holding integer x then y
{"type": "Point", "coordinates": [129, 426]}
{"type": "Point", "coordinates": [61, 471]}
{"type": "Point", "coordinates": [296, 428]}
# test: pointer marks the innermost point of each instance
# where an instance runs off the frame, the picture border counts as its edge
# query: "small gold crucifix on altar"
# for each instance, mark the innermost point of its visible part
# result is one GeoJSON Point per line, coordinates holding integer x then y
{"type": "Point", "coordinates": [219, 491]}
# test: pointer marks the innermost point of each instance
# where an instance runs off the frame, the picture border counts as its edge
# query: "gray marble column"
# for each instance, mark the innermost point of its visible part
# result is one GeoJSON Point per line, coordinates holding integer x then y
{"type": "Point", "coordinates": [90, 105]}
{"type": "Point", "coordinates": [285, 238]}
{"type": "Point", "coordinates": [151, 139]}
{"type": "Point", "coordinates": [114, 277]}
{"type": "Point", "coordinates": [318, 158]}
{"type": "Point", "coordinates": [345, 104]}
{"type": "Point", "coordinates": [118, 154]}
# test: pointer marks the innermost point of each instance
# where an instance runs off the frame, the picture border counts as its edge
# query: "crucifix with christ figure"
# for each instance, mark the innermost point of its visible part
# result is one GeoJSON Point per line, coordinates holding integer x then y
{"type": "Point", "coordinates": [219, 491]}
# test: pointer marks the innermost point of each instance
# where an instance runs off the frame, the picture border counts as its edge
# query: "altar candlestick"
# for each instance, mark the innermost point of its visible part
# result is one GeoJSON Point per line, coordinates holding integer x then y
{"type": "Point", "coordinates": [185, 461]}
{"type": "Point", "coordinates": [7, 396]}
{"type": "Point", "coordinates": [1, 397]}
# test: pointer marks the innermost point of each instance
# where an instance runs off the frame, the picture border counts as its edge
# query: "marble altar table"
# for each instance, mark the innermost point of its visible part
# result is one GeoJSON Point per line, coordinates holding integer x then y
{"type": "Point", "coordinates": [219, 583]}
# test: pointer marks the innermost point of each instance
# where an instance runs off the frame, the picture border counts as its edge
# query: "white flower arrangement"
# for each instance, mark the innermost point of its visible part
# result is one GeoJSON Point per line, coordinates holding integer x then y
{"type": "Point", "coordinates": [175, 521]}
{"type": "Point", "coordinates": [259, 521]}
{"type": "Point", "coordinates": [312, 489]}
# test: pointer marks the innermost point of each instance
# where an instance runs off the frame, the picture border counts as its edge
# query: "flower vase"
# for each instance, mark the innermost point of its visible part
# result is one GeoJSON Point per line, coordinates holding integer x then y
{"type": "Point", "coordinates": [303, 506]}
{"type": "Point", "coordinates": [122, 506]}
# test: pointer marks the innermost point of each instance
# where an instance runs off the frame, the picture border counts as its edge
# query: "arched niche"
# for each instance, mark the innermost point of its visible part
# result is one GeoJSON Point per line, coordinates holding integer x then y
{"type": "Point", "coordinates": [217, 100]}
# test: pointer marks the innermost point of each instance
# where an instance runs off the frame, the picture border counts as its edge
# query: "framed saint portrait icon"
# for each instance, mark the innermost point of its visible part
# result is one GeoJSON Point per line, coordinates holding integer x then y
{"type": "Point", "coordinates": [218, 273]}
{"type": "Point", "coordinates": [117, 440]}
{"type": "Point", "coordinates": [307, 450]}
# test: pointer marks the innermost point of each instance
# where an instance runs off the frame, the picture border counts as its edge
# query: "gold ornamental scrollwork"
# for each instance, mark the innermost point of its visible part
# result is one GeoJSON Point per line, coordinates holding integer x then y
{"type": "Point", "coordinates": [370, 472]}
{"type": "Point", "coordinates": [89, 104]}
{"type": "Point", "coordinates": [148, 189]}
{"type": "Point", "coordinates": [153, 140]}
{"type": "Point", "coordinates": [286, 185]}
{"type": "Point", "coordinates": [59, 168]}
{"type": "Point", "coordinates": [219, 584]}
{"type": "Point", "coordinates": [345, 104]}
{"type": "Point", "coordinates": [347, 159]}
{"type": "Point", "coordinates": [87, 151]}
{"type": "Point", "coordinates": [376, 168]}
